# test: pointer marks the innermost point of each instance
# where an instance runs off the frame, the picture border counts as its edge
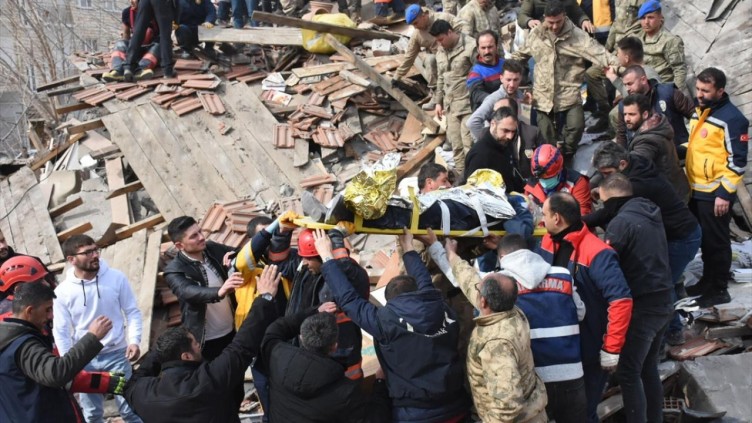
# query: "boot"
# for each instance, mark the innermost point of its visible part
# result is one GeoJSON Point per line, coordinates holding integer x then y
{"type": "Point", "coordinates": [144, 74]}
{"type": "Point", "coordinates": [113, 76]}
{"type": "Point", "coordinates": [714, 296]}
{"type": "Point", "coordinates": [128, 75]}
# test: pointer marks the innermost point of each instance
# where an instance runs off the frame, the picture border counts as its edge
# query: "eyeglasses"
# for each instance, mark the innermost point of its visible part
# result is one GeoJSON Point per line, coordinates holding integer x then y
{"type": "Point", "coordinates": [89, 253]}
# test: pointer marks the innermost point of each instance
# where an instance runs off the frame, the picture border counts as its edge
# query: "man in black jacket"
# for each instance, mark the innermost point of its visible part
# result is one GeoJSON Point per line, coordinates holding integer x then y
{"type": "Point", "coordinates": [32, 378]}
{"type": "Point", "coordinates": [494, 150]}
{"type": "Point", "coordinates": [636, 233]}
{"type": "Point", "coordinates": [176, 384]}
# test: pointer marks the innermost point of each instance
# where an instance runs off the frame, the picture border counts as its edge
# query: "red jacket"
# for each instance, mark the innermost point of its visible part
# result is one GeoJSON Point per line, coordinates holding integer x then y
{"type": "Point", "coordinates": [572, 182]}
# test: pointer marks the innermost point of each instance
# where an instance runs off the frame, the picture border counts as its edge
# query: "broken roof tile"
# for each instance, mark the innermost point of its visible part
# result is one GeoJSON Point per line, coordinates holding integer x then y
{"type": "Point", "coordinates": [118, 86]}
{"type": "Point", "coordinates": [132, 93]}
{"type": "Point", "coordinates": [202, 84]}
{"type": "Point", "coordinates": [96, 100]}
{"type": "Point", "coordinates": [238, 72]}
{"type": "Point", "coordinates": [186, 105]}
{"type": "Point", "coordinates": [283, 136]}
{"type": "Point", "coordinates": [212, 103]}
{"type": "Point", "coordinates": [184, 64]}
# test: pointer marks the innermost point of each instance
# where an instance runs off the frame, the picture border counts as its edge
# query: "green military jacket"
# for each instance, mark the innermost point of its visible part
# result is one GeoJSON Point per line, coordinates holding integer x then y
{"type": "Point", "coordinates": [665, 53]}
{"type": "Point", "coordinates": [533, 9]}
{"type": "Point", "coordinates": [453, 67]}
{"type": "Point", "coordinates": [625, 22]}
{"type": "Point", "coordinates": [480, 20]}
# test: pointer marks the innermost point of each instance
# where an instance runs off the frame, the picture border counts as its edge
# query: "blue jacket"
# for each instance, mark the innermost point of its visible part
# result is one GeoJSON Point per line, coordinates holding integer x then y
{"type": "Point", "coordinates": [415, 335]}
{"type": "Point", "coordinates": [192, 14]}
{"type": "Point", "coordinates": [667, 100]}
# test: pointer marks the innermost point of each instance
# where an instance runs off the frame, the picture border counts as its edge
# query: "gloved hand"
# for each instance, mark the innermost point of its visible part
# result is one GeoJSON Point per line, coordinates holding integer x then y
{"type": "Point", "coordinates": [609, 361]}
{"type": "Point", "coordinates": [117, 383]}
{"type": "Point", "coordinates": [347, 228]}
{"type": "Point", "coordinates": [287, 218]}
{"type": "Point", "coordinates": [208, 25]}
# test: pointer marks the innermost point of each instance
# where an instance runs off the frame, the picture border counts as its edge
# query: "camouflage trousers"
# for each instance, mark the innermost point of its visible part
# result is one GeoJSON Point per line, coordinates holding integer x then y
{"type": "Point", "coordinates": [566, 126]}
{"type": "Point", "coordinates": [596, 79]}
{"type": "Point", "coordinates": [459, 136]}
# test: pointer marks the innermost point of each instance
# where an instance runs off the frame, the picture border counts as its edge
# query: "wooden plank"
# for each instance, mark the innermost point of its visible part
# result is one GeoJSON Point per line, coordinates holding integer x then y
{"type": "Point", "coordinates": [105, 152]}
{"type": "Point", "coordinates": [63, 91]}
{"type": "Point", "coordinates": [339, 66]}
{"type": "Point", "coordinates": [146, 291]}
{"type": "Point", "coordinates": [363, 34]}
{"type": "Point", "coordinates": [353, 78]}
{"type": "Point", "coordinates": [79, 229]}
{"type": "Point", "coordinates": [384, 83]}
{"type": "Point", "coordinates": [727, 332]}
{"type": "Point", "coordinates": [260, 36]}
{"type": "Point", "coordinates": [421, 156]}
{"type": "Point", "coordinates": [41, 161]}
{"type": "Point", "coordinates": [120, 210]}
{"type": "Point", "coordinates": [58, 83]}
{"type": "Point", "coordinates": [35, 141]}
{"type": "Point", "coordinates": [66, 207]}
{"type": "Point", "coordinates": [72, 107]}
{"type": "Point", "coordinates": [85, 126]}
{"type": "Point", "coordinates": [125, 189]}
{"type": "Point", "coordinates": [129, 230]}
{"type": "Point", "coordinates": [411, 131]}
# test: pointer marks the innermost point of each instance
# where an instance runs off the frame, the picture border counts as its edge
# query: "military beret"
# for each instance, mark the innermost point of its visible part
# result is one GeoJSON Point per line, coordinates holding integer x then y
{"type": "Point", "coordinates": [411, 13]}
{"type": "Point", "coordinates": [648, 7]}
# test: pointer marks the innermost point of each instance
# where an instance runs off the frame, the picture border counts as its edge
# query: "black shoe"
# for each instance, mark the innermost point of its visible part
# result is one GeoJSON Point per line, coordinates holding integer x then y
{"type": "Point", "coordinates": [713, 297]}
{"type": "Point", "coordinates": [697, 289]}
{"type": "Point", "coordinates": [169, 72]}
{"type": "Point", "coordinates": [128, 75]}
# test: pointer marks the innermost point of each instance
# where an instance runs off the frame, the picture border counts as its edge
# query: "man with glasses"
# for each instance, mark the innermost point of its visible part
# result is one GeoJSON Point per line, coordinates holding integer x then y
{"type": "Point", "coordinates": [92, 289]}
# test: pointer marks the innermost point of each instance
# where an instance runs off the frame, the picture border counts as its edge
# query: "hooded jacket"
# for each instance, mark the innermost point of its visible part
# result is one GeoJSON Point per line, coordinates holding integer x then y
{"type": "Point", "coordinates": [488, 153]}
{"type": "Point", "coordinates": [79, 302]}
{"type": "Point", "coordinates": [33, 379]}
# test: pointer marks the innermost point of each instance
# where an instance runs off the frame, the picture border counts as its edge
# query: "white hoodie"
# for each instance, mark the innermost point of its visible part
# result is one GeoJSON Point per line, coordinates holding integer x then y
{"type": "Point", "coordinates": [79, 302]}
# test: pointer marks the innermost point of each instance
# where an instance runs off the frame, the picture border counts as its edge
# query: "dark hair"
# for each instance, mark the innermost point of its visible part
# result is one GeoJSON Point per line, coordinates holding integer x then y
{"type": "Point", "coordinates": [713, 76]}
{"type": "Point", "coordinates": [173, 343]}
{"type": "Point", "coordinates": [566, 206]}
{"type": "Point", "coordinates": [487, 32]}
{"type": "Point", "coordinates": [633, 47]}
{"type": "Point", "coordinates": [500, 292]}
{"type": "Point", "coordinates": [640, 100]}
{"type": "Point", "coordinates": [72, 244]}
{"type": "Point", "coordinates": [554, 8]}
{"type": "Point", "coordinates": [503, 113]}
{"type": "Point", "coordinates": [609, 154]}
{"type": "Point", "coordinates": [399, 285]}
{"type": "Point", "coordinates": [439, 27]}
{"type": "Point", "coordinates": [512, 66]}
{"type": "Point", "coordinates": [318, 333]}
{"type": "Point", "coordinates": [31, 294]}
{"type": "Point", "coordinates": [430, 170]}
{"type": "Point", "coordinates": [512, 242]}
{"type": "Point", "coordinates": [253, 223]}
{"type": "Point", "coordinates": [637, 70]}
{"type": "Point", "coordinates": [177, 227]}
{"type": "Point", "coordinates": [617, 183]}
{"type": "Point", "coordinates": [512, 104]}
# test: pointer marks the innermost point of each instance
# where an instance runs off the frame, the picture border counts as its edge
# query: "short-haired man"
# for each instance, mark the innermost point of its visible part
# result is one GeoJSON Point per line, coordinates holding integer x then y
{"type": "Point", "coordinates": [421, 18]}
{"type": "Point", "coordinates": [664, 51]}
{"type": "Point", "coordinates": [480, 15]}
{"type": "Point", "coordinates": [630, 53]}
{"type": "Point", "coordinates": [176, 382]}
{"type": "Point", "coordinates": [33, 378]}
{"type": "Point", "coordinates": [601, 285]}
{"type": "Point", "coordinates": [91, 289]}
{"type": "Point", "coordinates": [532, 11]}
{"type": "Point", "coordinates": [636, 233]}
{"type": "Point", "coordinates": [650, 135]}
{"type": "Point", "coordinates": [561, 52]}
{"type": "Point", "coordinates": [625, 22]}
{"type": "Point", "coordinates": [416, 350]}
{"type": "Point", "coordinates": [500, 367]}
{"type": "Point", "coordinates": [485, 76]}
{"type": "Point", "coordinates": [550, 176]}
{"type": "Point", "coordinates": [454, 60]}
{"type": "Point", "coordinates": [509, 82]}
{"type": "Point", "coordinates": [494, 150]}
{"type": "Point", "coordinates": [716, 159]}
{"type": "Point", "coordinates": [432, 176]}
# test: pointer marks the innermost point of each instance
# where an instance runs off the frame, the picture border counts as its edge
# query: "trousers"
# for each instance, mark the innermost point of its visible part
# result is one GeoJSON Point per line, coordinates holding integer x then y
{"type": "Point", "coordinates": [162, 11]}
{"type": "Point", "coordinates": [567, 125]}
{"type": "Point", "coordinates": [92, 405]}
{"type": "Point", "coordinates": [715, 244]}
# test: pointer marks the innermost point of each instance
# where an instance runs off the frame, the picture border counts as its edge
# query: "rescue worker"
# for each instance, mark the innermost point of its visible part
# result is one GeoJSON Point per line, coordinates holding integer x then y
{"type": "Point", "coordinates": [485, 76]}
{"type": "Point", "coordinates": [561, 52]}
{"type": "Point", "coordinates": [716, 159]}
{"type": "Point", "coordinates": [625, 22]}
{"type": "Point", "coordinates": [480, 15]}
{"type": "Point", "coordinates": [421, 18]}
{"type": "Point", "coordinates": [163, 13]}
{"type": "Point", "coordinates": [454, 60]}
{"type": "Point", "coordinates": [148, 53]}
{"type": "Point", "coordinates": [7, 253]}
{"type": "Point", "coordinates": [452, 6]}
{"type": "Point", "coordinates": [663, 51]}
{"type": "Point", "coordinates": [191, 15]}
{"type": "Point", "coordinates": [531, 14]}
{"type": "Point", "coordinates": [550, 176]}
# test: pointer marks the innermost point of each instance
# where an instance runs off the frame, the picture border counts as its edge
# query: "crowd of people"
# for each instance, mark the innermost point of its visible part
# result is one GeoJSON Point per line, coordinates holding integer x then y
{"type": "Point", "coordinates": [530, 333]}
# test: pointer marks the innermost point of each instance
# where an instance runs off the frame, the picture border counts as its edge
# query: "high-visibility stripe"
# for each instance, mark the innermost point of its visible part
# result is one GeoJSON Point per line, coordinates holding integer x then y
{"type": "Point", "coordinates": [342, 318]}
{"type": "Point", "coordinates": [554, 332]}
{"type": "Point", "coordinates": [340, 253]}
{"type": "Point", "coordinates": [355, 372]}
{"type": "Point", "coordinates": [279, 256]}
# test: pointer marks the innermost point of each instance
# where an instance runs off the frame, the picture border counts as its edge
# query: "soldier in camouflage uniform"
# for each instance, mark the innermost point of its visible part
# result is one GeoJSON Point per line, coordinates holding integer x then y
{"type": "Point", "coordinates": [454, 60]}
{"type": "Point", "coordinates": [561, 52]}
{"type": "Point", "coordinates": [500, 368]}
{"type": "Point", "coordinates": [625, 23]}
{"type": "Point", "coordinates": [663, 51]}
{"type": "Point", "coordinates": [452, 6]}
{"type": "Point", "coordinates": [481, 15]}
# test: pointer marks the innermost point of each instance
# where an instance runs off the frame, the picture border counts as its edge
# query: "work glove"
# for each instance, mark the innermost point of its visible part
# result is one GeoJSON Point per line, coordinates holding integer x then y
{"type": "Point", "coordinates": [286, 220]}
{"type": "Point", "coordinates": [608, 360]}
{"type": "Point", "coordinates": [347, 228]}
{"type": "Point", "coordinates": [338, 234]}
{"type": "Point", "coordinates": [208, 25]}
{"type": "Point", "coordinates": [117, 383]}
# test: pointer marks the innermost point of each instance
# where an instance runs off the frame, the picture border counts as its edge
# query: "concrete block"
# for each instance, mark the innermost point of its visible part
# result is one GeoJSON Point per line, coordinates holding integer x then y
{"type": "Point", "coordinates": [720, 383]}
{"type": "Point", "coordinates": [381, 47]}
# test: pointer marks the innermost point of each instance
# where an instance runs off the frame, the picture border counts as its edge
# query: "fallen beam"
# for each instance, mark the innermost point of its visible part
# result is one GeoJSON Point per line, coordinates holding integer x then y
{"type": "Point", "coordinates": [85, 126]}
{"type": "Point", "coordinates": [363, 34]}
{"type": "Point", "coordinates": [727, 332]}
{"type": "Point", "coordinates": [38, 163]}
{"type": "Point", "coordinates": [66, 207]}
{"type": "Point", "coordinates": [421, 156]}
{"type": "Point", "coordinates": [76, 230]}
{"type": "Point", "coordinates": [133, 186]}
{"type": "Point", "coordinates": [64, 90]}
{"type": "Point", "coordinates": [58, 83]}
{"type": "Point", "coordinates": [260, 36]}
{"type": "Point", "coordinates": [129, 230]}
{"type": "Point", "coordinates": [384, 83]}
{"type": "Point", "coordinates": [73, 107]}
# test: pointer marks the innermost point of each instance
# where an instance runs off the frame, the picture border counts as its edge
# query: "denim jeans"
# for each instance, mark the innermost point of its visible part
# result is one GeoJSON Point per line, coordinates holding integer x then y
{"type": "Point", "coordinates": [566, 401]}
{"type": "Point", "coordinates": [637, 370]}
{"type": "Point", "coordinates": [250, 6]}
{"type": "Point", "coordinates": [239, 13]}
{"type": "Point", "coordinates": [261, 382]}
{"type": "Point", "coordinates": [595, 382]}
{"type": "Point", "coordinates": [223, 10]}
{"type": "Point", "coordinates": [92, 405]}
{"type": "Point", "coordinates": [680, 253]}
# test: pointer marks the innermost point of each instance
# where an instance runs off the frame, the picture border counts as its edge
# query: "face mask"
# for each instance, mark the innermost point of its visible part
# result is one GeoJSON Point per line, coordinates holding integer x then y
{"type": "Point", "coordinates": [549, 183]}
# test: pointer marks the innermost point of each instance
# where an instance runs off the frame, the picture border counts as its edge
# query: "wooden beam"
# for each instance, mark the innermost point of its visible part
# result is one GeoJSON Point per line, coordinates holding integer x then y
{"type": "Point", "coordinates": [120, 210]}
{"type": "Point", "coordinates": [727, 332]}
{"type": "Point", "coordinates": [339, 66]}
{"type": "Point", "coordinates": [355, 79]}
{"type": "Point", "coordinates": [85, 126]}
{"type": "Point", "coordinates": [106, 152]}
{"type": "Point", "coordinates": [363, 34]}
{"type": "Point", "coordinates": [34, 138]}
{"type": "Point", "coordinates": [384, 83]}
{"type": "Point", "coordinates": [41, 161]}
{"type": "Point", "coordinates": [63, 91]}
{"type": "Point", "coordinates": [145, 294]}
{"type": "Point", "coordinates": [65, 207]}
{"type": "Point", "coordinates": [58, 83]}
{"type": "Point", "coordinates": [129, 230]}
{"type": "Point", "coordinates": [133, 186]}
{"type": "Point", "coordinates": [72, 107]}
{"type": "Point", "coordinates": [421, 156]}
{"type": "Point", "coordinates": [76, 230]}
{"type": "Point", "coordinates": [260, 36]}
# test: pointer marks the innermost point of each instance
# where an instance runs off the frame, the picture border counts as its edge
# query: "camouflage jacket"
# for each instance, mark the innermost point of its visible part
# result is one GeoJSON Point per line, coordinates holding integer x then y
{"type": "Point", "coordinates": [422, 39]}
{"type": "Point", "coordinates": [533, 9]}
{"type": "Point", "coordinates": [625, 22]}
{"type": "Point", "coordinates": [453, 67]}
{"type": "Point", "coordinates": [665, 53]}
{"type": "Point", "coordinates": [500, 366]}
{"type": "Point", "coordinates": [480, 20]}
{"type": "Point", "coordinates": [560, 64]}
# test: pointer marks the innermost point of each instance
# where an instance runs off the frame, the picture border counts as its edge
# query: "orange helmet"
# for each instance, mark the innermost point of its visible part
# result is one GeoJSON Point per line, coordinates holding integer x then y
{"type": "Point", "coordinates": [306, 244]}
{"type": "Point", "coordinates": [547, 162]}
{"type": "Point", "coordinates": [20, 269]}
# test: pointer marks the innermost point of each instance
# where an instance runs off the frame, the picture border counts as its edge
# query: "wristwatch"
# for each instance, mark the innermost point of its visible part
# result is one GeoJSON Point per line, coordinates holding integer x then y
{"type": "Point", "coordinates": [267, 296]}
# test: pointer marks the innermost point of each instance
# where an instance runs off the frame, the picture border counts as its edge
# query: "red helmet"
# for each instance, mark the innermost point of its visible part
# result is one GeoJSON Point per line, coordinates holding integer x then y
{"type": "Point", "coordinates": [306, 244]}
{"type": "Point", "coordinates": [20, 269]}
{"type": "Point", "coordinates": [547, 162]}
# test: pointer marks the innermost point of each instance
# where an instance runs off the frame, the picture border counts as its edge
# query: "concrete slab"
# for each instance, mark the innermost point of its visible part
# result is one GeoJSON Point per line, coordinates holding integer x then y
{"type": "Point", "coordinates": [720, 383]}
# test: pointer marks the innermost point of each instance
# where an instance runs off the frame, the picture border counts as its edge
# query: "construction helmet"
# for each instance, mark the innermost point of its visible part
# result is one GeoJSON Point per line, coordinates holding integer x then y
{"type": "Point", "coordinates": [306, 244]}
{"type": "Point", "coordinates": [547, 162]}
{"type": "Point", "coordinates": [20, 269]}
